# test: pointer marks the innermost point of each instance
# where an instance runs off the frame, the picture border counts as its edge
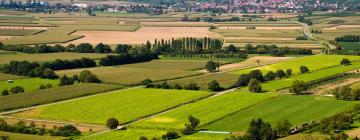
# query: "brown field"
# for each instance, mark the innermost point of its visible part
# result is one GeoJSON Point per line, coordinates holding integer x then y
{"type": "Point", "coordinates": [175, 24]}
{"type": "Point", "coordinates": [261, 28]}
{"type": "Point", "coordinates": [25, 27]}
{"type": "Point", "coordinates": [142, 35]}
{"type": "Point", "coordinates": [342, 26]}
{"type": "Point", "coordinates": [5, 37]}
{"type": "Point", "coordinates": [260, 38]}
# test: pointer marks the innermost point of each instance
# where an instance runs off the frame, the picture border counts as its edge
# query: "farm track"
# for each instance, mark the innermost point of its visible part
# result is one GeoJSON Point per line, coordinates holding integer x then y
{"type": "Point", "coordinates": [306, 30]}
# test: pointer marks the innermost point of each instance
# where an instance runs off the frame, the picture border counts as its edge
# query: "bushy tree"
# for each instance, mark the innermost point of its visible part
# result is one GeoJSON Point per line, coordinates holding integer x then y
{"type": "Point", "coordinates": [5, 92]}
{"type": "Point", "coordinates": [304, 69]}
{"type": "Point", "coordinates": [345, 62]}
{"type": "Point", "coordinates": [122, 49]}
{"type": "Point", "coordinates": [254, 86]}
{"type": "Point", "coordinates": [269, 76]}
{"type": "Point", "coordinates": [243, 80]}
{"type": "Point", "coordinates": [192, 86]}
{"type": "Point", "coordinates": [143, 138]}
{"type": "Point", "coordinates": [66, 81]}
{"type": "Point", "coordinates": [298, 87]}
{"type": "Point", "coordinates": [288, 72]}
{"type": "Point", "coordinates": [102, 48]}
{"type": "Point", "coordinates": [67, 130]}
{"type": "Point", "coordinates": [177, 86]}
{"type": "Point", "coordinates": [214, 86]}
{"type": "Point", "coordinates": [283, 128]}
{"type": "Point", "coordinates": [17, 89]}
{"type": "Point", "coordinates": [256, 74]}
{"type": "Point", "coordinates": [170, 135]}
{"type": "Point", "coordinates": [212, 66]}
{"type": "Point", "coordinates": [260, 130]}
{"type": "Point", "coordinates": [146, 82]}
{"type": "Point", "coordinates": [112, 123]}
{"type": "Point", "coordinates": [190, 127]}
{"type": "Point", "coordinates": [280, 73]}
{"type": "Point", "coordinates": [49, 73]}
{"type": "Point", "coordinates": [87, 77]}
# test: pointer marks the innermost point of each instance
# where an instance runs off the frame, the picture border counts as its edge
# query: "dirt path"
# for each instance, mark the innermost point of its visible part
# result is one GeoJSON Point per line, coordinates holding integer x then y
{"type": "Point", "coordinates": [327, 87]}
{"type": "Point", "coordinates": [354, 133]}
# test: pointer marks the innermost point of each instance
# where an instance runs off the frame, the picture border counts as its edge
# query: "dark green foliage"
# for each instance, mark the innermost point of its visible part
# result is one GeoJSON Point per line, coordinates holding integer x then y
{"type": "Point", "coordinates": [127, 58]}
{"type": "Point", "coordinates": [17, 89]}
{"type": "Point", "coordinates": [47, 86]}
{"type": "Point", "coordinates": [4, 138]}
{"type": "Point", "coordinates": [190, 127]}
{"type": "Point", "coordinates": [301, 38]}
{"type": "Point", "coordinates": [170, 135]}
{"type": "Point", "coordinates": [66, 131]}
{"type": "Point", "coordinates": [339, 136]}
{"type": "Point", "coordinates": [143, 138]}
{"type": "Point", "coordinates": [345, 62]}
{"type": "Point", "coordinates": [260, 130]}
{"type": "Point", "coordinates": [87, 77]}
{"type": "Point", "coordinates": [212, 66]}
{"type": "Point", "coordinates": [112, 123]}
{"type": "Point", "coordinates": [102, 48]}
{"type": "Point", "coordinates": [67, 81]}
{"type": "Point", "coordinates": [275, 51]}
{"type": "Point", "coordinates": [84, 48]}
{"type": "Point", "coordinates": [298, 87]}
{"type": "Point", "coordinates": [304, 69]}
{"type": "Point", "coordinates": [256, 74]}
{"type": "Point", "coordinates": [346, 93]}
{"type": "Point", "coordinates": [165, 85]}
{"type": "Point", "coordinates": [288, 72]}
{"type": "Point", "coordinates": [192, 86]}
{"type": "Point", "coordinates": [214, 86]}
{"type": "Point", "coordinates": [177, 86]}
{"type": "Point", "coordinates": [122, 49]}
{"type": "Point", "coordinates": [280, 74]}
{"type": "Point", "coordinates": [5, 92]}
{"type": "Point", "coordinates": [348, 38]}
{"type": "Point", "coordinates": [269, 76]}
{"type": "Point", "coordinates": [243, 80]}
{"type": "Point", "coordinates": [283, 128]}
{"type": "Point", "coordinates": [146, 82]}
{"type": "Point", "coordinates": [254, 86]}
{"type": "Point", "coordinates": [231, 49]}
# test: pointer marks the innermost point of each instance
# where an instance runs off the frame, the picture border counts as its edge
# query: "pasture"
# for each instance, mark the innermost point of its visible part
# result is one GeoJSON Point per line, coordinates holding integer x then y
{"type": "Point", "coordinates": [5, 77]}
{"type": "Point", "coordinates": [142, 35]}
{"type": "Point", "coordinates": [296, 109]}
{"type": "Point", "coordinates": [18, 136]}
{"type": "Point", "coordinates": [284, 83]}
{"type": "Point", "coordinates": [129, 134]}
{"type": "Point", "coordinates": [155, 70]}
{"type": "Point", "coordinates": [17, 32]}
{"type": "Point", "coordinates": [125, 105]}
{"type": "Point", "coordinates": [52, 95]}
{"type": "Point", "coordinates": [42, 57]}
{"type": "Point", "coordinates": [207, 110]}
{"type": "Point", "coordinates": [353, 46]}
{"type": "Point", "coordinates": [314, 62]}
{"type": "Point", "coordinates": [29, 84]}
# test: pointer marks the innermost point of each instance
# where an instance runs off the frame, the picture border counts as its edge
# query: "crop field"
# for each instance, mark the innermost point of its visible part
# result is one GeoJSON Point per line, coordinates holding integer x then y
{"type": "Point", "coordinates": [29, 84]}
{"type": "Point", "coordinates": [207, 111]}
{"type": "Point", "coordinates": [42, 57]}
{"type": "Point", "coordinates": [17, 136]}
{"type": "Point", "coordinates": [284, 83]}
{"type": "Point", "coordinates": [51, 95]}
{"type": "Point", "coordinates": [315, 62]}
{"type": "Point", "coordinates": [175, 24]}
{"type": "Point", "coordinates": [142, 35]}
{"type": "Point", "coordinates": [130, 134]}
{"type": "Point", "coordinates": [296, 109]}
{"type": "Point", "coordinates": [17, 32]}
{"type": "Point", "coordinates": [125, 105]}
{"type": "Point", "coordinates": [5, 77]}
{"type": "Point", "coordinates": [154, 70]}
{"type": "Point", "coordinates": [331, 34]}
{"type": "Point", "coordinates": [354, 46]}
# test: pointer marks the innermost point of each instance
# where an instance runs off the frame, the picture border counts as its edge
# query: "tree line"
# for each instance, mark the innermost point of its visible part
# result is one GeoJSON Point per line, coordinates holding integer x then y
{"type": "Point", "coordinates": [348, 38]}
{"type": "Point", "coordinates": [275, 50]}
{"type": "Point", "coordinates": [33, 129]}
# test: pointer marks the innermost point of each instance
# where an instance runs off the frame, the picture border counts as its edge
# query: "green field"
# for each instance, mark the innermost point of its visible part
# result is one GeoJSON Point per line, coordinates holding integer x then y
{"type": "Point", "coordinates": [125, 105]}
{"type": "Point", "coordinates": [207, 111]}
{"type": "Point", "coordinates": [29, 84]}
{"type": "Point", "coordinates": [284, 83]}
{"type": "Point", "coordinates": [18, 32]}
{"type": "Point", "coordinates": [297, 109]}
{"type": "Point", "coordinates": [354, 46]}
{"type": "Point", "coordinates": [135, 73]}
{"type": "Point", "coordinates": [315, 62]}
{"type": "Point", "coordinates": [51, 95]}
{"type": "Point", "coordinates": [130, 134]}
{"type": "Point", "coordinates": [18, 136]}
{"type": "Point", "coordinates": [4, 59]}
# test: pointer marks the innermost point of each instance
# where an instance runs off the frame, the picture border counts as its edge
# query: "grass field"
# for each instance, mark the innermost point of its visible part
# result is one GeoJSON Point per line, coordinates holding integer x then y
{"type": "Point", "coordinates": [5, 77]}
{"type": "Point", "coordinates": [207, 111]}
{"type": "Point", "coordinates": [52, 95]}
{"type": "Point", "coordinates": [18, 136]}
{"type": "Point", "coordinates": [284, 83]}
{"type": "Point", "coordinates": [315, 62]}
{"type": "Point", "coordinates": [125, 105]}
{"type": "Point", "coordinates": [154, 70]}
{"type": "Point", "coordinates": [4, 59]}
{"type": "Point", "coordinates": [297, 109]}
{"type": "Point", "coordinates": [29, 84]}
{"type": "Point", "coordinates": [17, 32]}
{"type": "Point", "coordinates": [354, 46]}
{"type": "Point", "coordinates": [130, 134]}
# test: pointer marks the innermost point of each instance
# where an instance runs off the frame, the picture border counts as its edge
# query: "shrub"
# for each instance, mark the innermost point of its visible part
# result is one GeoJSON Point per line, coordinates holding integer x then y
{"type": "Point", "coordinates": [212, 66]}
{"type": "Point", "coordinates": [170, 135]}
{"type": "Point", "coordinates": [254, 86]}
{"type": "Point", "coordinates": [288, 72]}
{"type": "Point", "coordinates": [177, 86]}
{"type": "Point", "coordinates": [112, 123]}
{"type": "Point", "coordinates": [214, 86]}
{"type": "Point", "coordinates": [280, 74]}
{"type": "Point", "coordinates": [298, 87]}
{"type": "Point", "coordinates": [87, 77]}
{"type": "Point", "coordinates": [143, 138]}
{"type": "Point", "coordinates": [304, 69]}
{"type": "Point", "coordinates": [260, 130]}
{"type": "Point", "coordinates": [345, 62]}
{"type": "Point", "coordinates": [283, 128]}
{"type": "Point", "coordinates": [243, 80]}
{"type": "Point", "coordinates": [257, 74]}
{"type": "Point", "coordinates": [17, 89]}
{"type": "Point", "coordinates": [269, 76]}
{"type": "Point", "coordinates": [192, 86]}
{"type": "Point", "coordinates": [67, 130]}
{"type": "Point", "coordinates": [146, 82]}
{"type": "Point", "coordinates": [5, 92]}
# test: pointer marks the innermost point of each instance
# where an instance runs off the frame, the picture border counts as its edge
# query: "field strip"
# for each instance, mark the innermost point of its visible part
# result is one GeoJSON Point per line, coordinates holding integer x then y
{"type": "Point", "coordinates": [330, 86]}
{"type": "Point", "coordinates": [33, 107]}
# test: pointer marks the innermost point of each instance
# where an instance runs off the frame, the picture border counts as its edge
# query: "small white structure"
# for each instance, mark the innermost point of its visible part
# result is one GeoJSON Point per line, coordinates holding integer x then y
{"type": "Point", "coordinates": [10, 81]}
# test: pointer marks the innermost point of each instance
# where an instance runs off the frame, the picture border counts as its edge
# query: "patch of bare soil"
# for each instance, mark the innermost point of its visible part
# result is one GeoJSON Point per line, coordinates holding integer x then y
{"type": "Point", "coordinates": [327, 87]}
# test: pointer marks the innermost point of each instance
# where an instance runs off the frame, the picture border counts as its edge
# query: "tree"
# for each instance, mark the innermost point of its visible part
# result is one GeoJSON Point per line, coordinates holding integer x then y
{"type": "Point", "coordinates": [214, 86]}
{"type": "Point", "coordinates": [257, 74]}
{"type": "Point", "coordinates": [66, 81]}
{"type": "Point", "coordinates": [87, 77]}
{"type": "Point", "coordinates": [283, 128]}
{"type": "Point", "coordinates": [304, 69]}
{"type": "Point", "coordinates": [143, 138]}
{"type": "Point", "coordinates": [190, 127]}
{"type": "Point", "coordinates": [345, 62]}
{"type": "Point", "coordinates": [5, 92]}
{"type": "Point", "coordinates": [280, 74]}
{"type": "Point", "coordinates": [49, 73]}
{"type": "Point", "coordinates": [269, 76]}
{"type": "Point", "coordinates": [288, 72]}
{"type": "Point", "coordinates": [231, 49]}
{"type": "Point", "coordinates": [212, 66]}
{"type": "Point", "coordinates": [298, 87]}
{"type": "Point", "coordinates": [177, 86]}
{"type": "Point", "coordinates": [42, 86]}
{"type": "Point", "coordinates": [243, 80]}
{"type": "Point", "coordinates": [260, 130]}
{"type": "Point", "coordinates": [254, 86]}
{"type": "Point", "coordinates": [122, 49]}
{"type": "Point", "coordinates": [17, 89]}
{"type": "Point", "coordinates": [102, 48]}
{"type": "Point", "coordinates": [170, 135]}
{"type": "Point", "coordinates": [146, 82]}
{"type": "Point", "coordinates": [192, 86]}
{"type": "Point", "coordinates": [112, 123]}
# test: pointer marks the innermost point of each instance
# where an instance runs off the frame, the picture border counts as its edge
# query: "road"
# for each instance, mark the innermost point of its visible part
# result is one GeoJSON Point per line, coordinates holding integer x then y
{"type": "Point", "coordinates": [307, 33]}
